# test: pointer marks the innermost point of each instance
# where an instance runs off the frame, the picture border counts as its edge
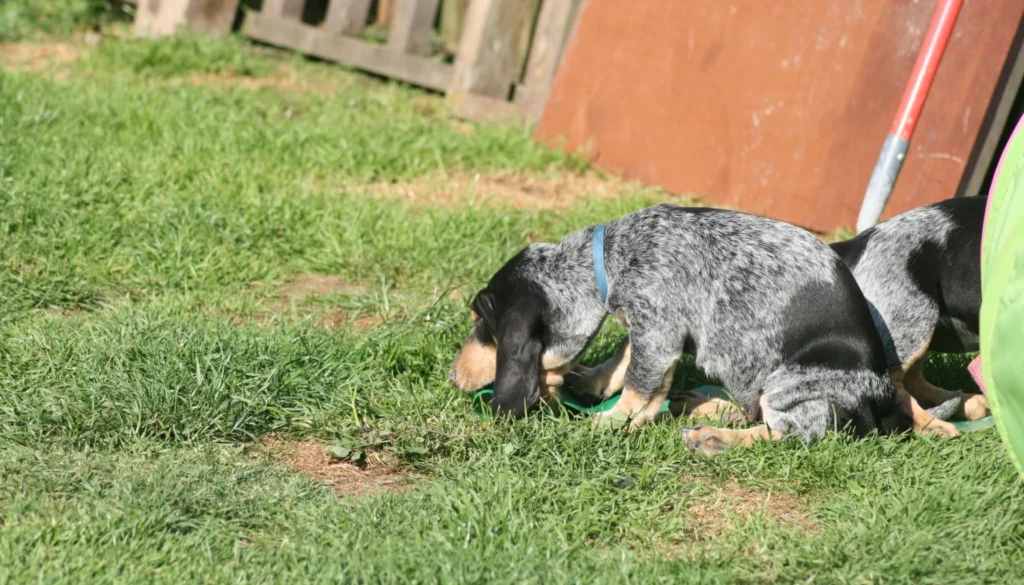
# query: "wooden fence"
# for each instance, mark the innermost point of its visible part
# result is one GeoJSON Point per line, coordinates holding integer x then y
{"type": "Point", "coordinates": [505, 56]}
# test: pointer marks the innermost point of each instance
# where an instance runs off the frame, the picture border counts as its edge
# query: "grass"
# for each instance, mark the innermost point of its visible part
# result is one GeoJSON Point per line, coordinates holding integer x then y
{"type": "Point", "coordinates": [147, 219]}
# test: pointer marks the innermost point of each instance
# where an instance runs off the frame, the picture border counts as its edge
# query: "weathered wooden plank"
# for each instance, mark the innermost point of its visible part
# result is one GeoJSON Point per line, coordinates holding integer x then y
{"type": "Point", "coordinates": [346, 17]}
{"type": "Point", "coordinates": [487, 62]}
{"type": "Point", "coordinates": [156, 18]}
{"type": "Point", "coordinates": [554, 23]}
{"type": "Point", "coordinates": [352, 52]}
{"type": "Point", "coordinates": [283, 8]}
{"type": "Point", "coordinates": [411, 26]}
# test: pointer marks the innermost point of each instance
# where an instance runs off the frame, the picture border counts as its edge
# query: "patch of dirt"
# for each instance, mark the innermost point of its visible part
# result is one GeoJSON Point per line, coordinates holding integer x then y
{"type": "Point", "coordinates": [346, 479]}
{"type": "Point", "coordinates": [37, 56]}
{"type": "Point", "coordinates": [282, 79]}
{"type": "Point", "coordinates": [518, 190]}
{"type": "Point", "coordinates": [313, 284]}
{"type": "Point", "coordinates": [296, 300]}
{"type": "Point", "coordinates": [716, 514]}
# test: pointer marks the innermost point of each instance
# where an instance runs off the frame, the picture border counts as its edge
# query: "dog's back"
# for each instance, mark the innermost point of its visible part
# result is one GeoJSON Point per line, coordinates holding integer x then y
{"type": "Point", "coordinates": [921, 271]}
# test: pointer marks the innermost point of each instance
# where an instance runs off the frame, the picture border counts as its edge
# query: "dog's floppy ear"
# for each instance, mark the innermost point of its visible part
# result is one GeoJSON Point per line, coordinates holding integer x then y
{"type": "Point", "coordinates": [483, 307]}
{"type": "Point", "coordinates": [520, 338]}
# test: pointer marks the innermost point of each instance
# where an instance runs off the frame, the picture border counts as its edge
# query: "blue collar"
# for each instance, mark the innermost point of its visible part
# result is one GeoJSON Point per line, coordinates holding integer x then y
{"type": "Point", "coordinates": [599, 269]}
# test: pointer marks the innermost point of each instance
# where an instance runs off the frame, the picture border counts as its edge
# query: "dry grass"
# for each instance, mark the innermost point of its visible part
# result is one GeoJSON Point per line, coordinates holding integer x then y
{"type": "Point", "coordinates": [301, 299]}
{"type": "Point", "coordinates": [37, 56]}
{"type": "Point", "coordinates": [713, 516]}
{"type": "Point", "coordinates": [518, 190]}
{"type": "Point", "coordinates": [346, 479]}
{"type": "Point", "coordinates": [282, 79]}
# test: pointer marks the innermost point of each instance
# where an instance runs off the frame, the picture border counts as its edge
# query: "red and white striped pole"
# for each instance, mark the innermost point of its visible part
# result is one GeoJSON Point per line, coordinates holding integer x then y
{"type": "Point", "coordinates": [896, 144]}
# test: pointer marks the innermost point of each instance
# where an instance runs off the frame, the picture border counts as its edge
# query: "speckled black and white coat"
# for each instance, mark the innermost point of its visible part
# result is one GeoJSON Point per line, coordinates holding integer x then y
{"type": "Point", "coordinates": [762, 305]}
{"type": "Point", "coordinates": [921, 274]}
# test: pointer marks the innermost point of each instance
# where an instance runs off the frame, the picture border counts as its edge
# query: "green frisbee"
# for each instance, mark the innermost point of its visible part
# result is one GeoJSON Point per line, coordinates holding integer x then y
{"type": "Point", "coordinates": [480, 397]}
{"type": "Point", "coordinates": [707, 390]}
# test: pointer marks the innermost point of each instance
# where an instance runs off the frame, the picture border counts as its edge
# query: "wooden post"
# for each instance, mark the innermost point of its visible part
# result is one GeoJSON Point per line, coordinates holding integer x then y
{"type": "Point", "coordinates": [157, 18]}
{"type": "Point", "coordinates": [486, 63]}
{"type": "Point", "coordinates": [554, 24]}
{"type": "Point", "coordinates": [411, 25]}
{"type": "Point", "coordinates": [346, 17]}
{"type": "Point", "coordinates": [284, 8]}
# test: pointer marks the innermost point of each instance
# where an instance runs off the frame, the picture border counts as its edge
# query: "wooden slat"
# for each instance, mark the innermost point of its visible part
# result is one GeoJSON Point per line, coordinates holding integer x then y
{"type": "Point", "coordinates": [346, 17]}
{"type": "Point", "coordinates": [355, 53]}
{"type": "Point", "coordinates": [487, 61]}
{"type": "Point", "coordinates": [553, 26]}
{"type": "Point", "coordinates": [411, 26]}
{"type": "Point", "coordinates": [283, 8]}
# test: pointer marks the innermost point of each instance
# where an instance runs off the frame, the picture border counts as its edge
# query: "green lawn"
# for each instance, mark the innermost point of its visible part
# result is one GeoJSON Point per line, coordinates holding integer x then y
{"type": "Point", "coordinates": [156, 199]}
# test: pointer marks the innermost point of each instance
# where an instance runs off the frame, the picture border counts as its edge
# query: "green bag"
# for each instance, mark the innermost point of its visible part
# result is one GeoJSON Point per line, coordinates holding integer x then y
{"type": "Point", "coordinates": [1002, 292]}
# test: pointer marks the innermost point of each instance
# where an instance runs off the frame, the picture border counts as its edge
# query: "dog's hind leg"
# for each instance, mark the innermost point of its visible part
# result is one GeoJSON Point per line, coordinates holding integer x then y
{"type": "Point", "coordinates": [924, 422]}
{"type": "Point", "coordinates": [929, 411]}
{"type": "Point", "coordinates": [971, 406]}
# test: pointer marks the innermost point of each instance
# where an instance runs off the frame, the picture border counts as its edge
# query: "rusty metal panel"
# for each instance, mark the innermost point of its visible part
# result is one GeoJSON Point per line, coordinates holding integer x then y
{"type": "Point", "coordinates": [778, 108]}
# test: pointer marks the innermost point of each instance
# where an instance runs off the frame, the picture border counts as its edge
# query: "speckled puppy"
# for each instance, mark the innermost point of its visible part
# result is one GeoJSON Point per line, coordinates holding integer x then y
{"type": "Point", "coordinates": [921, 274]}
{"type": "Point", "coordinates": [763, 306]}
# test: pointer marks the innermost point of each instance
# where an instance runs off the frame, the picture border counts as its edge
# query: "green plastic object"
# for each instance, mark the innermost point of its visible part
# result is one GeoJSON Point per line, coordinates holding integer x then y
{"type": "Point", "coordinates": [1002, 291]}
{"type": "Point", "coordinates": [480, 396]}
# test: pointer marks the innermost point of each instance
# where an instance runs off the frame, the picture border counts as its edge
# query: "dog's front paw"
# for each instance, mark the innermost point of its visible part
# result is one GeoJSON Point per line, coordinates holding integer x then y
{"type": "Point", "coordinates": [975, 406]}
{"type": "Point", "coordinates": [700, 441]}
{"type": "Point", "coordinates": [610, 421]}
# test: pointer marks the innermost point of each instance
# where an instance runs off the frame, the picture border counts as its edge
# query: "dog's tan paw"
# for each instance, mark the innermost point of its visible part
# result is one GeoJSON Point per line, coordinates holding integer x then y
{"type": "Point", "coordinates": [940, 428]}
{"type": "Point", "coordinates": [700, 441]}
{"type": "Point", "coordinates": [975, 406]}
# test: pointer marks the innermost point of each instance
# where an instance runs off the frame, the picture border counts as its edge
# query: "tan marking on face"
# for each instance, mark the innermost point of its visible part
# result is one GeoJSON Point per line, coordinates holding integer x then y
{"type": "Point", "coordinates": [475, 366]}
{"type": "Point", "coordinates": [555, 362]}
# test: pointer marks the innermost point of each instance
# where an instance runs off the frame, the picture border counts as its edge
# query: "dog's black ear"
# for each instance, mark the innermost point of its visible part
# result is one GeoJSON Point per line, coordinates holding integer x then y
{"type": "Point", "coordinates": [483, 307]}
{"type": "Point", "coordinates": [520, 339]}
